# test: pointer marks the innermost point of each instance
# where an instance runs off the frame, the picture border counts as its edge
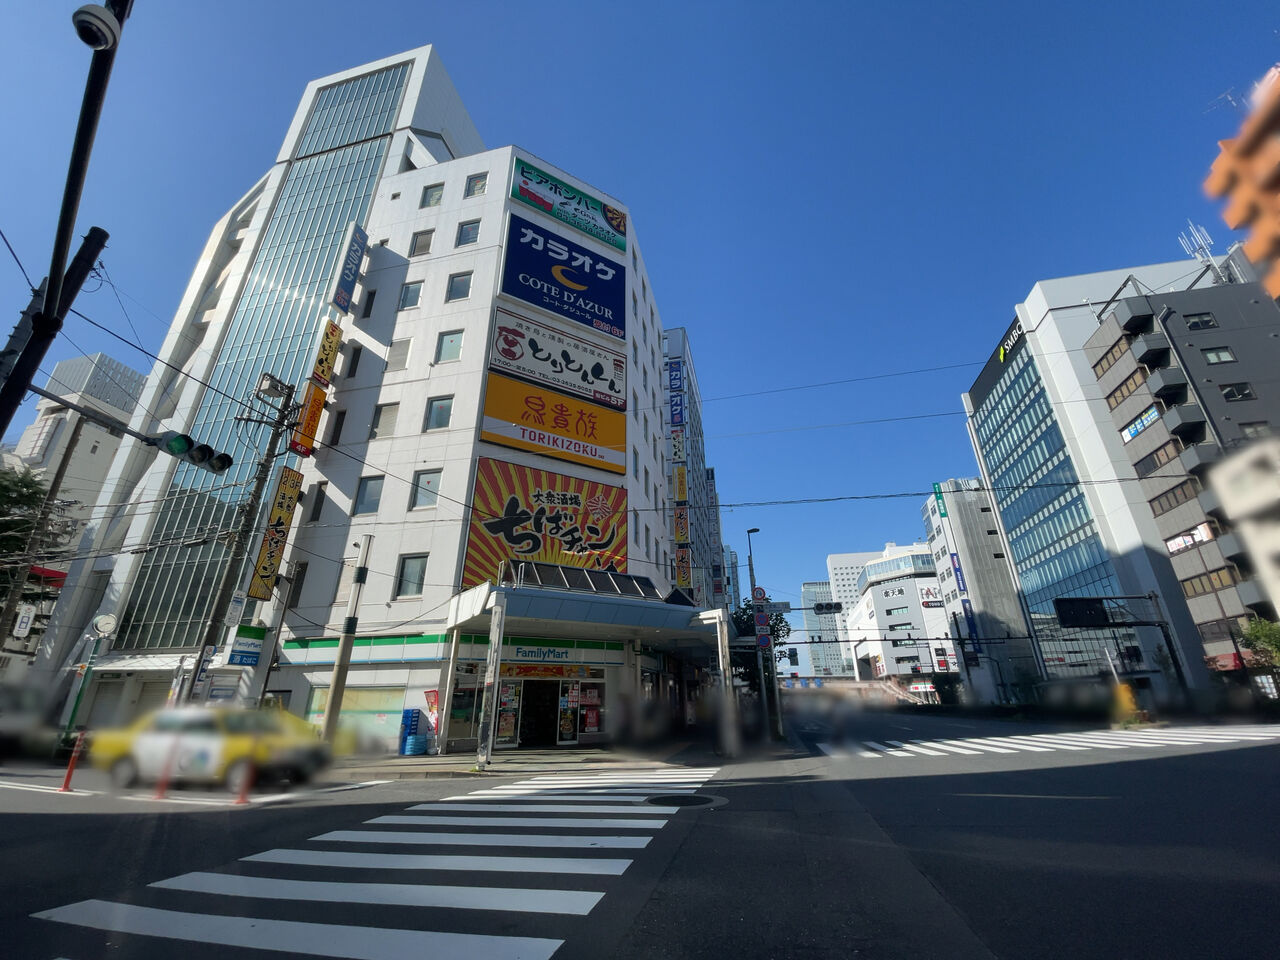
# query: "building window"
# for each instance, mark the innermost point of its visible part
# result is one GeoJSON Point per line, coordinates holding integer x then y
{"type": "Point", "coordinates": [1180, 494]}
{"type": "Point", "coordinates": [1122, 392]}
{"type": "Point", "coordinates": [449, 346]}
{"type": "Point", "coordinates": [1214, 355]}
{"type": "Point", "coordinates": [1108, 359]}
{"type": "Point", "coordinates": [476, 184]}
{"type": "Point", "coordinates": [635, 462]}
{"type": "Point", "coordinates": [439, 410]}
{"type": "Point", "coordinates": [384, 421]}
{"type": "Point", "coordinates": [295, 585]}
{"type": "Point", "coordinates": [1253, 431]}
{"type": "Point", "coordinates": [468, 232]}
{"type": "Point", "coordinates": [635, 306]}
{"type": "Point", "coordinates": [646, 478]}
{"type": "Point", "coordinates": [645, 372]}
{"type": "Point", "coordinates": [368, 493]}
{"type": "Point", "coordinates": [398, 355]}
{"type": "Point", "coordinates": [411, 575]}
{"type": "Point", "coordinates": [1201, 533]}
{"type": "Point", "coordinates": [900, 626]}
{"type": "Point", "coordinates": [426, 485]}
{"type": "Point", "coordinates": [431, 195]}
{"type": "Point", "coordinates": [459, 287]}
{"type": "Point", "coordinates": [1156, 459]}
{"type": "Point", "coordinates": [409, 294]}
{"type": "Point", "coordinates": [1203, 583]}
{"type": "Point", "coordinates": [319, 492]}
{"type": "Point", "coordinates": [635, 406]}
{"type": "Point", "coordinates": [896, 611]}
{"type": "Point", "coordinates": [421, 244]}
{"type": "Point", "coordinates": [1200, 321]}
{"type": "Point", "coordinates": [984, 509]}
{"type": "Point", "coordinates": [998, 556]}
{"type": "Point", "coordinates": [353, 360]}
{"type": "Point", "coordinates": [647, 543]}
{"type": "Point", "coordinates": [635, 524]}
{"type": "Point", "coordinates": [1139, 423]}
{"type": "Point", "coordinates": [1232, 392]}
{"type": "Point", "coordinates": [335, 432]}
{"type": "Point", "coordinates": [368, 304]}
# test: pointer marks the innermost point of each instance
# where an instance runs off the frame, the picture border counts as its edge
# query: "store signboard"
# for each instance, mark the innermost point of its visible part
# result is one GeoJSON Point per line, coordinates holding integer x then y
{"type": "Point", "coordinates": [1140, 423]}
{"type": "Point", "coordinates": [524, 513]}
{"type": "Point", "coordinates": [303, 441]}
{"type": "Point", "coordinates": [937, 495]}
{"type": "Point", "coordinates": [539, 353]}
{"type": "Point", "coordinates": [684, 567]}
{"type": "Point", "coordinates": [681, 473]}
{"type": "Point", "coordinates": [551, 272]}
{"type": "Point", "coordinates": [568, 204]}
{"type": "Point", "coordinates": [677, 409]}
{"type": "Point", "coordinates": [533, 418]}
{"type": "Point", "coordinates": [675, 375]}
{"type": "Point", "coordinates": [681, 525]}
{"type": "Point", "coordinates": [348, 272]}
{"type": "Point", "coordinates": [955, 566]}
{"type": "Point", "coordinates": [279, 518]}
{"type": "Point", "coordinates": [327, 354]}
{"type": "Point", "coordinates": [677, 446]}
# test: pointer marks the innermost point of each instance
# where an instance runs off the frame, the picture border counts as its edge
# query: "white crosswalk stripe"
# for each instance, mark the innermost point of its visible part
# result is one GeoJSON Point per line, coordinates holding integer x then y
{"type": "Point", "coordinates": [1070, 741]}
{"type": "Point", "coordinates": [557, 818]}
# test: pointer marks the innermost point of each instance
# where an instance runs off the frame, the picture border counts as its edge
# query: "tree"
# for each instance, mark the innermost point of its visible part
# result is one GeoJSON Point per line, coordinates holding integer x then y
{"type": "Point", "coordinates": [744, 622]}
{"type": "Point", "coordinates": [21, 496]}
{"type": "Point", "coordinates": [1262, 639]}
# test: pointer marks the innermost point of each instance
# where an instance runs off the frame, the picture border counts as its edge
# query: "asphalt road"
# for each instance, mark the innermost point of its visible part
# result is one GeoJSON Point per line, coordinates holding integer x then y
{"type": "Point", "coordinates": [983, 839]}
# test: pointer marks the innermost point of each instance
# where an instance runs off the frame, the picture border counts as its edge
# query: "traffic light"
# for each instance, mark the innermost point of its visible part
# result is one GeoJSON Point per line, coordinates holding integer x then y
{"type": "Point", "coordinates": [825, 608]}
{"type": "Point", "coordinates": [793, 656]}
{"type": "Point", "coordinates": [202, 455]}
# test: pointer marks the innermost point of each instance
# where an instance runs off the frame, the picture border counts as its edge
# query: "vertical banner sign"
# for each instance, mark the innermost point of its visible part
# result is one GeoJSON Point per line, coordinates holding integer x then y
{"type": "Point", "coordinates": [675, 376]}
{"type": "Point", "coordinates": [955, 565]}
{"type": "Point", "coordinates": [344, 281]}
{"type": "Point", "coordinates": [677, 446]}
{"type": "Point", "coordinates": [524, 513]}
{"type": "Point", "coordinates": [682, 525]}
{"type": "Point", "coordinates": [684, 567]}
{"type": "Point", "coordinates": [677, 409]}
{"type": "Point", "coordinates": [971, 623]}
{"type": "Point", "coordinates": [327, 355]}
{"type": "Point", "coordinates": [937, 495]}
{"type": "Point", "coordinates": [303, 441]}
{"type": "Point", "coordinates": [682, 482]}
{"type": "Point", "coordinates": [279, 517]}
{"type": "Point", "coordinates": [568, 204]}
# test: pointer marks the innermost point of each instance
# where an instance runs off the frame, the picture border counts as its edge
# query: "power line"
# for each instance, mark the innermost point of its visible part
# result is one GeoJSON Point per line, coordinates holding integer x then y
{"type": "Point", "coordinates": [16, 259]}
{"type": "Point", "coordinates": [111, 283]}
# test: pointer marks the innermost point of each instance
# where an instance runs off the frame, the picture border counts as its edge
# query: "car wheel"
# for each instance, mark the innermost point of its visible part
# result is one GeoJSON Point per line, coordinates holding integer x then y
{"type": "Point", "coordinates": [124, 773]}
{"type": "Point", "coordinates": [237, 776]}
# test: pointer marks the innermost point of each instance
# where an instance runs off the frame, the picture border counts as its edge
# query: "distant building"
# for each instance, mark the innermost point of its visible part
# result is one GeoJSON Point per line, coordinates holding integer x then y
{"type": "Point", "coordinates": [828, 656]}
{"type": "Point", "coordinates": [732, 586]}
{"type": "Point", "coordinates": [897, 626]}
{"type": "Point", "coordinates": [843, 570]}
{"type": "Point", "coordinates": [979, 595]}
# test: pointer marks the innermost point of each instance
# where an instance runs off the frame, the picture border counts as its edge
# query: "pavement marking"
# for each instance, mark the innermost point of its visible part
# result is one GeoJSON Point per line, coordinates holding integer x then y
{"type": "Point", "coordinates": [1011, 743]}
{"type": "Point", "coordinates": [606, 791]}
{"type": "Point", "coordinates": [914, 749]}
{"type": "Point", "coordinates": [883, 749]}
{"type": "Point", "coordinates": [989, 748]}
{"type": "Point", "coordinates": [291, 936]}
{"type": "Point", "coordinates": [1030, 796]}
{"type": "Point", "coordinates": [561, 797]}
{"type": "Point", "coordinates": [942, 746]}
{"type": "Point", "coordinates": [433, 838]}
{"type": "Point", "coordinates": [576, 902]}
{"type": "Point", "coordinates": [1049, 740]}
{"type": "Point", "coordinates": [1090, 741]}
{"type": "Point", "coordinates": [603, 866]}
{"type": "Point", "coordinates": [38, 788]}
{"type": "Point", "coordinates": [567, 822]}
{"type": "Point", "coordinates": [546, 808]}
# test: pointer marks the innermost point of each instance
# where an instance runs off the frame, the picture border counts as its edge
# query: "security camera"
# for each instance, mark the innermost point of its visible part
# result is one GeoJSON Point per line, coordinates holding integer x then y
{"type": "Point", "coordinates": [96, 26]}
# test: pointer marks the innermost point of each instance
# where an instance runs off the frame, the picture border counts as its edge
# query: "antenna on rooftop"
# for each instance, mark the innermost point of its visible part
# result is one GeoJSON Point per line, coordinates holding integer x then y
{"type": "Point", "coordinates": [1197, 243]}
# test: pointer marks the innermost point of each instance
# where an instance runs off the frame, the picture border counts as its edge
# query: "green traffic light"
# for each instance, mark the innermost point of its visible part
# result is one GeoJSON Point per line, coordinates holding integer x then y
{"type": "Point", "coordinates": [178, 444]}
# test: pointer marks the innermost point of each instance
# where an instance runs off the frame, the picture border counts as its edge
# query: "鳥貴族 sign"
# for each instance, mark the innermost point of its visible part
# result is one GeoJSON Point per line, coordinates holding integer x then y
{"type": "Point", "coordinates": [568, 204]}
{"type": "Point", "coordinates": [523, 513]}
{"type": "Point", "coordinates": [533, 418]}
{"type": "Point", "coordinates": [539, 353]}
{"type": "Point", "coordinates": [548, 271]}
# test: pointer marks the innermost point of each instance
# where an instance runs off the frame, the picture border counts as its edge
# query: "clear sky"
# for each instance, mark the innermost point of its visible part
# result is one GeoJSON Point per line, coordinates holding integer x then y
{"type": "Point", "coordinates": [823, 191]}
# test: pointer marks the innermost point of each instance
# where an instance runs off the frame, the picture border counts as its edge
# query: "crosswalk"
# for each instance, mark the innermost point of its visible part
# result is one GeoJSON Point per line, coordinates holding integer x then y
{"type": "Point", "coordinates": [422, 882]}
{"type": "Point", "coordinates": [1072, 742]}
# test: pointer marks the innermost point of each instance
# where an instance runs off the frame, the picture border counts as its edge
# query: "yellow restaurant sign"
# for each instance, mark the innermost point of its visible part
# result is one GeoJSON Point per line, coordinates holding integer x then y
{"type": "Point", "coordinates": [303, 441]}
{"type": "Point", "coordinates": [327, 355]}
{"type": "Point", "coordinates": [279, 518]}
{"type": "Point", "coordinates": [682, 482]}
{"type": "Point", "coordinates": [553, 424]}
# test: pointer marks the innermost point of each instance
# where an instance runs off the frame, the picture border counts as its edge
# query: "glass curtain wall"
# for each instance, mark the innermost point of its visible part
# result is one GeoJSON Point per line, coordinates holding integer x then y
{"type": "Point", "coordinates": [1055, 545]}
{"type": "Point", "coordinates": [274, 329]}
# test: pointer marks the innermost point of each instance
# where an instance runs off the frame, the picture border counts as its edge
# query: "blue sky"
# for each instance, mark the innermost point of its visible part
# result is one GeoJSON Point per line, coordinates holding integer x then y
{"type": "Point", "coordinates": [823, 191]}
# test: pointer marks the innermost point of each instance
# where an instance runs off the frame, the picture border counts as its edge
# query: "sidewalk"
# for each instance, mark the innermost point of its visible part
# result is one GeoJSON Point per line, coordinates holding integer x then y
{"type": "Point", "coordinates": [511, 763]}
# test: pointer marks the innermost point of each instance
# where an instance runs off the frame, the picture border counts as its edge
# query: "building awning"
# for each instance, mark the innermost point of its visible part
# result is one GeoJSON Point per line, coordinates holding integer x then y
{"type": "Point", "coordinates": [572, 615]}
{"type": "Point", "coordinates": [131, 662]}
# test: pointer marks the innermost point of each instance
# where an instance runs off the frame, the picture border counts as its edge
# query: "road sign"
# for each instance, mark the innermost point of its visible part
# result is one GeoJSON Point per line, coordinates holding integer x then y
{"type": "Point", "coordinates": [783, 607]}
{"type": "Point", "coordinates": [762, 620]}
{"type": "Point", "coordinates": [764, 640]}
{"type": "Point", "coordinates": [26, 615]}
{"type": "Point", "coordinates": [758, 594]}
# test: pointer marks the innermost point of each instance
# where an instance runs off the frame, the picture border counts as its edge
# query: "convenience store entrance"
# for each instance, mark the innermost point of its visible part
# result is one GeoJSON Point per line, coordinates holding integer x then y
{"type": "Point", "coordinates": [539, 713]}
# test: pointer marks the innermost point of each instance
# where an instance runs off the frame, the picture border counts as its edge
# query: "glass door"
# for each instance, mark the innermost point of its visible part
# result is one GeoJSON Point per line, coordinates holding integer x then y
{"type": "Point", "coordinates": [570, 697]}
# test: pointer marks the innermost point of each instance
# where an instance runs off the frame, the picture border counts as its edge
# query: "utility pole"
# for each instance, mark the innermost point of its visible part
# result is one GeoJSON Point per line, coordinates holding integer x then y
{"type": "Point", "coordinates": [239, 540]}
{"type": "Point", "coordinates": [341, 663]}
{"type": "Point", "coordinates": [492, 667]}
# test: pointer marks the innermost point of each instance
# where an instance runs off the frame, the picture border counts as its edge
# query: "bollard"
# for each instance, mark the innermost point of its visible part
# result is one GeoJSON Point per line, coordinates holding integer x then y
{"type": "Point", "coordinates": [162, 785]}
{"type": "Point", "coordinates": [253, 771]}
{"type": "Point", "coordinates": [71, 764]}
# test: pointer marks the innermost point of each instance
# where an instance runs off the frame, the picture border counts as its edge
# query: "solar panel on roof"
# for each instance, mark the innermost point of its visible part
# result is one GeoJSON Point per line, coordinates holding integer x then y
{"type": "Point", "coordinates": [600, 580]}
{"type": "Point", "coordinates": [549, 575]}
{"type": "Point", "coordinates": [626, 585]}
{"type": "Point", "coordinates": [576, 578]}
{"type": "Point", "coordinates": [647, 589]}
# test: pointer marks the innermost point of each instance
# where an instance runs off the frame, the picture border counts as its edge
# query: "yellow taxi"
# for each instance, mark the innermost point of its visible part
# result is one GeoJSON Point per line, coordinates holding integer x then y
{"type": "Point", "coordinates": [210, 745]}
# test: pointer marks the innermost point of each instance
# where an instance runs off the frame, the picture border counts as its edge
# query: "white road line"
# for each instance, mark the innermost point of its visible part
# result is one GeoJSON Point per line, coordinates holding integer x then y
{"type": "Point", "coordinates": [1197, 737]}
{"type": "Point", "coordinates": [291, 936]}
{"type": "Point", "coordinates": [914, 749]}
{"type": "Point", "coordinates": [610, 778]}
{"type": "Point", "coordinates": [576, 902]}
{"type": "Point", "coordinates": [38, 788]}
{"type": "Point", "coordinates": [558, 798]}
{"type": "Point", "coordinates": [1013, 744]}
{"type": "Point", "coordinates": [432, 838]}
{"type": "Point", "coordinates": [547, 808]}
{"type": "Point", "coordinates": [942, 746]}
{"type": "Point", "coordinates": [601, 823]}
{"type": "Point", "coordinates": [1089, 741]}
{"type": "Point", "coordinates": [1049, 740]}
{"type": "Point", "coordinates": [603, 866]}
{"type": "Point", "coordinates": [1116, 737]}
{"type": "Point", "coordinates": [609, 791]}
{"type": "Point", "coordinates": [883, 749]}
{"type": "Point", "coordinates": [977, 746]}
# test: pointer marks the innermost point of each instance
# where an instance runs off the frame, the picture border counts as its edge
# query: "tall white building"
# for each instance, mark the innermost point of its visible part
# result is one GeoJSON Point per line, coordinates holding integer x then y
{"type": "Point", "coordinates": [898, 626]}
{"type": "Point", "coordinates": [843, 570]}
{"type": "Point", "coordinates": [495, 403]}
{"type": "Point", "coordinates": [822, 631]}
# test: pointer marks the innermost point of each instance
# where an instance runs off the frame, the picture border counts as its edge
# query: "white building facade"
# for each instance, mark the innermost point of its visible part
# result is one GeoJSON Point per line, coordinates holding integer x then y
{"type": "Point", "coordinates": [843, 570]}
{"type": "Point", "coordinates": [827, 653]}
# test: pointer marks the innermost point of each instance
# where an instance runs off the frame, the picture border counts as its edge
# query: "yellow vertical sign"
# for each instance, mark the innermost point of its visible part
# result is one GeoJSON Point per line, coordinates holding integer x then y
{"type": "Point", "coordinates": [279, 517]}
{"type": "Point", "coordinates": [303, 441]}
{"type": "Point", "coordinates": [327, 355]}
{"type": "Point", "coordinates": [682, 482]}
